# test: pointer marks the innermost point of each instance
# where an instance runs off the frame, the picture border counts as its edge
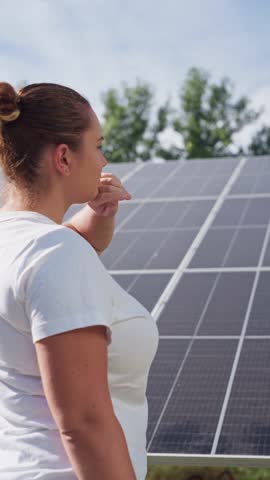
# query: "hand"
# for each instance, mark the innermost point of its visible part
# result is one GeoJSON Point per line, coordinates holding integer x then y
{"type": "Point", "coordinates": [111, 191]}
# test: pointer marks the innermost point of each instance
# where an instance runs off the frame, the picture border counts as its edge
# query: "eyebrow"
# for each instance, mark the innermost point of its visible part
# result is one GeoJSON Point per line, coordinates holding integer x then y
{"type": "Point", "coordinates": [101, 138]}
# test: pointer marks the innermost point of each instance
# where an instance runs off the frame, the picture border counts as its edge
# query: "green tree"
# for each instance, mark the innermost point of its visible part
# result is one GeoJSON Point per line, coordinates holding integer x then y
{"type": "Point", "coordinates": [209, 116]}
{"type": "Point", "coordinates": [126, 120]}
{"type": "Point", "coordinates": [131, 129]}
{"type": "Point", "coordinates": [153, 147]}
{"type": "Point", "coordinates": [260, 144]}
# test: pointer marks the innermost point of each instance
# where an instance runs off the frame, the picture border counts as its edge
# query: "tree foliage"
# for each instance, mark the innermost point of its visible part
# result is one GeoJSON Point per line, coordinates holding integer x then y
{"type": "Point", "coordinates": [210, 116]}
{"type": "Point", "coordinates": [130, 127]}
{"type": "Point", "coordinates": [260, 144]}
{"type": "Point", "coordinates": [126, 119]}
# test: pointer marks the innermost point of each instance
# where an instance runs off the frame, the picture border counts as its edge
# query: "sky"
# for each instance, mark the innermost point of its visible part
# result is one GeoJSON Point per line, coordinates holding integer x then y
{"type": "Point", "coordinates": [92, 45]}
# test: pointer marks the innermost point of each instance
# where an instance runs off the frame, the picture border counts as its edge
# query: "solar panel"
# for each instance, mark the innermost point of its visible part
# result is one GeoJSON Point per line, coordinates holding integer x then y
{"type": "Point", "coordinates": [194, 247]}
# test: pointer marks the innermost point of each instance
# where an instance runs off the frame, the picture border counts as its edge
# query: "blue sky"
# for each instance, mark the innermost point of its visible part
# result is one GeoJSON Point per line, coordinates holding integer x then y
{"type": "Point", "coordinates": [91, 45]}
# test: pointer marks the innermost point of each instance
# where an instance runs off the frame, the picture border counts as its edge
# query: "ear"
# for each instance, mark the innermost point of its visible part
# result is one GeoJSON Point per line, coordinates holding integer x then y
{"type": "Point", "coordinates": [62, 159]}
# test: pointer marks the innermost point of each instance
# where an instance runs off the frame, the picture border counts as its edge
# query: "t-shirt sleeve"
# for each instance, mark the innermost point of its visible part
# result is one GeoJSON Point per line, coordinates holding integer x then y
{"type": "Point", "coordinates": [67, 287]}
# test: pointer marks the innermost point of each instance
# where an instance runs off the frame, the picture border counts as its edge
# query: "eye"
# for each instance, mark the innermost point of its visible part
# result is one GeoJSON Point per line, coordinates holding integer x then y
{"type": "Point", "coordinates": [101, 148]}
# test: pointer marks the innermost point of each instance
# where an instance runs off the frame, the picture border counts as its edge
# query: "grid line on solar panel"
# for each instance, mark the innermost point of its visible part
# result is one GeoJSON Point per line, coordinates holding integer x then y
{"type": "Point", "coordinates": [145, 249]}
{"type": "Point", "coordinates": [258, 164]}
{"type": "Point", "coordinates": [224, 254]}
{"type": "Point", "coordinates": [147, 181]}
{"type": "Point", "coordinates": [195, 244]}
{"type": "Point", "coordinates": [163, 371]}
{"type": "Point", "coordinates": [259, 317]}
{"type": "Point", "coordinates": [239, 348]}
{"type": "Point", "coordinates": [230, 248]}
{"type": "Point", "coordinates": [188, 177]}
{"type": "Point", "coordinates": [143, 287]}
{"type": "Point", "coordinates": [124, 171]}
{"type": "Point", "coordinates": [140, 205]}
{"type": "Point", "coordinates": [174, 243]}
{"type": "Point", "coordinates": [246, 425]}
{"type": "Point", "coordinates": [207, 303]}
{"type": "Point", "coordinates": [121, 169]}
{"type": "Point", "coordinates": [245, 185]}
{"type": "Point", "coordinates": [190, 414]}
{"type": "Point", "coordinates": [256, 212]}
{"type": "Point", "coordinates": [168, 215]}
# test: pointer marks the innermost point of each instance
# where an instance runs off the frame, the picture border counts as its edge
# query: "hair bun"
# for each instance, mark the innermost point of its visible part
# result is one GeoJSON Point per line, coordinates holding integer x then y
{"type": "Point", "coordinates": [9, 100]}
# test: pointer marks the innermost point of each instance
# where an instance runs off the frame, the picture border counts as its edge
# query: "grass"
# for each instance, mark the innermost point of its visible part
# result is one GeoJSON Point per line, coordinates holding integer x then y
{"type": "Point", "coordinates": [160, 472]}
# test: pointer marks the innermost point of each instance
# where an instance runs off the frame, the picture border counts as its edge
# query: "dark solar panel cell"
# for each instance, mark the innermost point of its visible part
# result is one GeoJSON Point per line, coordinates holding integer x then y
{"type": "Point", "coordinates": [120, 169]}
{"type": "Point", "coordinates": [253, 166]}
{"type": "Point", "coordinates": [227, 165]}
{"type": "Point", "coordinates": [125, 209]}
{"type": "Point", "coordinates": [266, 164]}
{"type": "Point", "coordinates": [230, 213]}
{"type": "Point", "coordinates": [212, 251]}
{"type": "Point", "coordinates": [246, 248]}
{"type": "Point", "coordinates": [246, 428]}
{"type": "Point", "coordinates": [266, 260]}
{"type": "Point", "coordinates": [193, 186]}
{"type": "Point", "coordinates": [145, 215]}
{"type": "Point", "coordinates": [215, 185]}
{"type": "Point", "coordinates": [146, 190]}
{"type": "Point", "coordinates": [140, 188]}
{"type": "Point", "coordinates": [138, 254]}
{"type": "Point", "coordinates": [243, 184]}
{"type": "Point", "coordinates": [259, 323]}
{"type": "Point", "coordinates": [196, 214]}
{"type": "Point", "coordinates": [160, 170]}
{"type": "Point", "coordinates": [173, 250]}
{"type": "Point", "coordinates": [175, 187]}
{"type": "Point", "coordinates": [227, 307]}
{"type": "Point", "coordinates": [263, 184]}
{"type": "Point", "coordinates": [162, 373]}
{"type": "Point", "coordinates": [191, 417]}
{"type": "Point", "coordinates": [199, 168]}
{"type": "Point", "coordinates": [171, 214]}
{"type": "Point", "coordinates": [119, 244]}
{"type": "Point", "coordinates": [258, 212]}
{"type": "Point", "coordinates": [145, 287]}
{"type": "Point", "coordinates": [185, 306]}
{"type": "Point", "coordinates": [133, 183]}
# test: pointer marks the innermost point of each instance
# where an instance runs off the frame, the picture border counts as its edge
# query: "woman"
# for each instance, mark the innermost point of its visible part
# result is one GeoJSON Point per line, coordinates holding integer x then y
{"type": "Point", "coordinates": [75, 348]}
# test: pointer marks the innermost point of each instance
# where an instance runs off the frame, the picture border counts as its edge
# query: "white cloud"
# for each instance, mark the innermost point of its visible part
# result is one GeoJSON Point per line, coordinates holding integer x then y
{"type": "Point", "coordinates": [91, 46]}
{"type": "Point", "coordinates": [260, 98]}
{"type": "Point", "coordinates": [169, 138]}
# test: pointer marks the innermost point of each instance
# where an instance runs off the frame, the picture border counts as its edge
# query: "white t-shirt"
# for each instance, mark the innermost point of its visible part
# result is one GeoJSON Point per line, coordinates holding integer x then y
{"type": "Point", "coordinates": [52, 281]}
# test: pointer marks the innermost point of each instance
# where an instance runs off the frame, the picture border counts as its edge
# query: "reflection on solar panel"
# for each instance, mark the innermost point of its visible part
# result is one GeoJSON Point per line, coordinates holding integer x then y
{"type": "Point", "coordinates": [193, 246]}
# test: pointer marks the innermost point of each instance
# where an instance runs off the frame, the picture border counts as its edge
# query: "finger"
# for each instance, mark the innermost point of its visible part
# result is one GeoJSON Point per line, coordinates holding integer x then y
{"type": "Point", "coordinates": [110, 180]}
{"type": "Point", "coordinates": [112, 188]}
{"type": "Point", "coordinates": [109, 197]}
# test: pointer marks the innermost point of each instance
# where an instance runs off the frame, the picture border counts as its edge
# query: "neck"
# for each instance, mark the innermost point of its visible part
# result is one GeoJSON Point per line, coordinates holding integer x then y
{"type": "Point", "coordinates": [52, 205]}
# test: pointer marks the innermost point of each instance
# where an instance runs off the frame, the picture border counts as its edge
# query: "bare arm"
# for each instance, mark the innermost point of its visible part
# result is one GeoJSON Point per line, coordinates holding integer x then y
{"type": "Point", "coordinates": [95, 229]}
{"type": "Point", "coordinates": [73, 367]}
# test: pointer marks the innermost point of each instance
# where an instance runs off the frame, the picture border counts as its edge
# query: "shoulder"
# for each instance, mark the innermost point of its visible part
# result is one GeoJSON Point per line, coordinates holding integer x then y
{"type": "Point", "coordinates": [57, 253]}
{"type": "Point", "coordinates": [58, 242]}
